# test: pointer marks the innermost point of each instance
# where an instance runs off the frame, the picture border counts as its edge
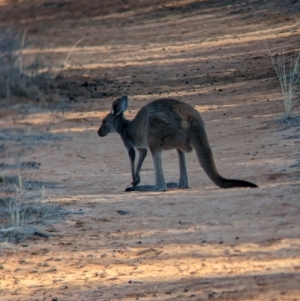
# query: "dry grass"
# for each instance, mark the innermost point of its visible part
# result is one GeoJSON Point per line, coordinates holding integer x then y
{"type": "Point", "coordinates": [287, 70]}
{"type": "Point", "coordinates": [23, 213]}
{"type": "Point", "coordinates": [14, 78]}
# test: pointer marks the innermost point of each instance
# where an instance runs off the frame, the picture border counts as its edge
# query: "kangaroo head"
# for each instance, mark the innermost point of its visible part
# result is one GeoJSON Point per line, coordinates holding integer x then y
{"type": "Point", "coordinates": [107, 125]}
{"type": "Point", "coordinates": [119, 106]}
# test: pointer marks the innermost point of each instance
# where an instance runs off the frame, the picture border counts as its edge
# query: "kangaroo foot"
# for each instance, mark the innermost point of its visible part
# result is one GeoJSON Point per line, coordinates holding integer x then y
{"type": "Point", "coordinates": [178, 185]}
{"type": "Point", "coordinates": [145, 188]}
{"type": "Point", "coordinates": [170, 185]}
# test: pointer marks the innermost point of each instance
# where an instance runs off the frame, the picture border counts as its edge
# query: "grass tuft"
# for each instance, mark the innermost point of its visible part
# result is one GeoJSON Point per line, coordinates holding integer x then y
{"type": "Point", "coordinates": [24, 213]}
{"type": "Point", "coordinates": [14, 78]}
{"type": "Point", "coordinates": [288, 73]}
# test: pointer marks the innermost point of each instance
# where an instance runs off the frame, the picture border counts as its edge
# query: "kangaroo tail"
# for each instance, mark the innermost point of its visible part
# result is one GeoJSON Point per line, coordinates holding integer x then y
{"type": "Point", "coordinates": [201, 145]}
{"type": "Point", "coordinates": [231, 183]}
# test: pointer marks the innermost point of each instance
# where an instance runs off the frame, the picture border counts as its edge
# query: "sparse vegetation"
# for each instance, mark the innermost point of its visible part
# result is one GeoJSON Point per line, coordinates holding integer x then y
{"type": "Point", "coordinates": [17, 213]}
{"type": "Point", "coordinates": [288, 73]}
{"type": "Point", "coordinates": [64, 64]}
{"type": "Point", "coordinates": [14, 78]}
{"type": "Point", "coordinates": [23, 213]}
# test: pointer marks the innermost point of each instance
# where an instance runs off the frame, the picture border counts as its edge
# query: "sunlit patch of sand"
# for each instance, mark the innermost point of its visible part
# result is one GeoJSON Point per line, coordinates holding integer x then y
{"type": "Point", "coordinates": [144, 264]}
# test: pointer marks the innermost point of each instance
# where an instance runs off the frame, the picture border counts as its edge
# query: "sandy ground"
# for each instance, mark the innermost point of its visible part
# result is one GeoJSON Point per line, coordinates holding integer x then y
{"type": "Point", "coordinates": [96, 242]}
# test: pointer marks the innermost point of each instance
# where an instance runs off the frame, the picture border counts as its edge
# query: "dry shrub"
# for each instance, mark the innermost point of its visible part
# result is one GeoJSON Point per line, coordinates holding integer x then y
{"type": "Point", "coordinates": [14, 78]}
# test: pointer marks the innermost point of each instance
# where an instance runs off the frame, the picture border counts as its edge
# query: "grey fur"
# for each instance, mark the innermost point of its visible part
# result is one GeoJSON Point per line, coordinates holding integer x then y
{"type": "Point", "coordinates": [161, 125]}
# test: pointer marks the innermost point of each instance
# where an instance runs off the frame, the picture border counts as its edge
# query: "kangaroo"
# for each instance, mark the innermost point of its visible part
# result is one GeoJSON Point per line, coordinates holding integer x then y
{"type": "Point", "coordinates": [161, 125]}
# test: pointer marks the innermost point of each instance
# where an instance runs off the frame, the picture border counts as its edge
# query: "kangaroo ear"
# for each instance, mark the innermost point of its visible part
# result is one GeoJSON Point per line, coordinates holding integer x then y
{"type": "Point", "coordinates": [119, 106]}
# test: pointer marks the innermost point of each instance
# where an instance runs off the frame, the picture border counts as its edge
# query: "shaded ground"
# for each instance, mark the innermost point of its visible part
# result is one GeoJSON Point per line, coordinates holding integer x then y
{"type": "Point", "coordinates": [101, 243]}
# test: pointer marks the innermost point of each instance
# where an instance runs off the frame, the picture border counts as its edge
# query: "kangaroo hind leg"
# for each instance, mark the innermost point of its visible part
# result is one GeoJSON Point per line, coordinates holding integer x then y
{"type": "Point", "coordinates": [183, 178]}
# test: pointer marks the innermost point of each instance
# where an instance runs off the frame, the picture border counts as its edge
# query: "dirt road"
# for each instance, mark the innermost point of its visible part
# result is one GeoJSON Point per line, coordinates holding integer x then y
{"type": "Point", "coordinates": [90, 240]}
